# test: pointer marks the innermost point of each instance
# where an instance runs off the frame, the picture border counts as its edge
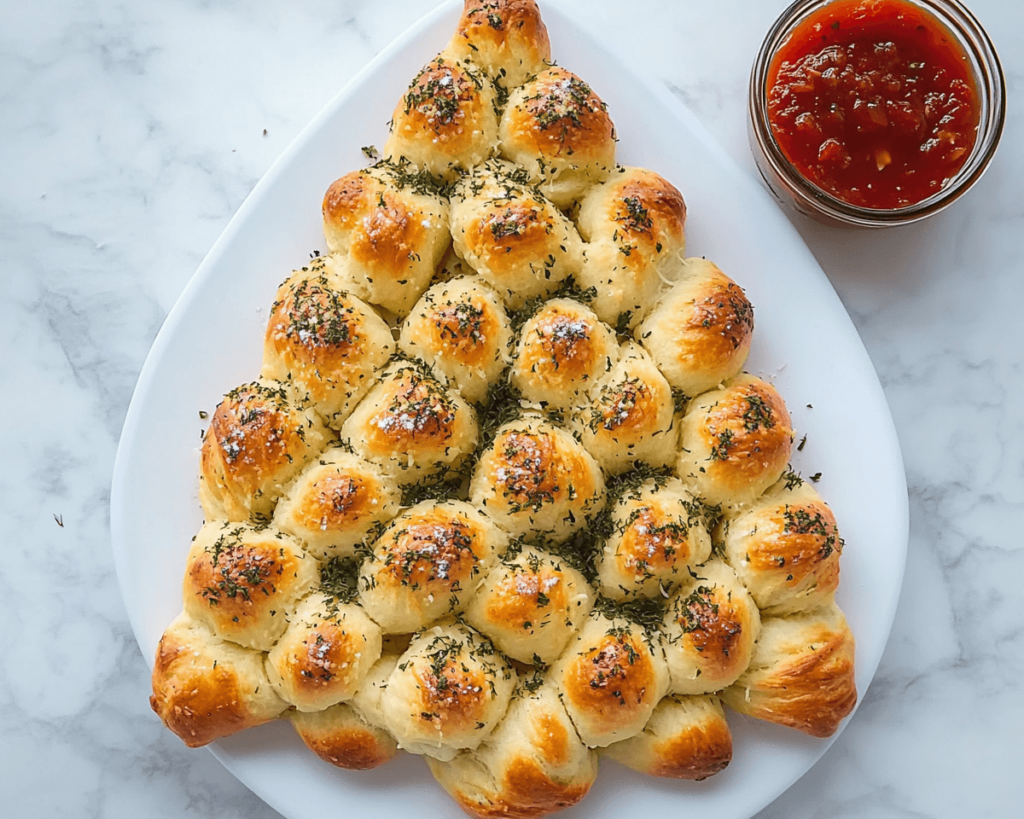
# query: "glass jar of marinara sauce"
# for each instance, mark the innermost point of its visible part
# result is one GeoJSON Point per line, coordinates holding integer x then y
{"type": "Point", "coordinates": [872, 113]}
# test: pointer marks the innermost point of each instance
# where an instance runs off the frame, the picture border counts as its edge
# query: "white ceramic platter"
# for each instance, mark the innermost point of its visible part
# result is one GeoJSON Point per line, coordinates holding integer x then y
{"type": "Point", "coordinates": [804, 342]}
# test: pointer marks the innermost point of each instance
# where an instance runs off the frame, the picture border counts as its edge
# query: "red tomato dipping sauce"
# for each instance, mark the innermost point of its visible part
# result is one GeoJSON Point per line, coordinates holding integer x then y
{"type": "Point", "coordinates": [874, 102]}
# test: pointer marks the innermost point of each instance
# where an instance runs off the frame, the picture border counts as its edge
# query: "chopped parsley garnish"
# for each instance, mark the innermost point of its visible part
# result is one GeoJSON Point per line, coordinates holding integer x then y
{"type": "Point", "coordinates": [758, 414]}
{"type": "Point", "coordinates": [720, 451]}
{"type": "Point", "coordinates": [800, 521]}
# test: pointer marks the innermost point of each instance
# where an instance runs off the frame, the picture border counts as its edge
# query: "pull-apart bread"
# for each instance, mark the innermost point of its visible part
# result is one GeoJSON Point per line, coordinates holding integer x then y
{"type": "Point", "coordinates": [502, 494]}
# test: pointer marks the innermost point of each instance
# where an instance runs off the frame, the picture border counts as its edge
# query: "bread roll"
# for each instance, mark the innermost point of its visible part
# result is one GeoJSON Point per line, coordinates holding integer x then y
{"type": "Point", "coordinates": [368, 699]}
{"type": "Point", "coordinates": [447, 121]}
{"type": "Point", "coordinates": [801, 674]}
{"type": "Point", "coordinates": [447, 693]}
{"type": "Point", "coordinates": [563, 350]}
{"type": "Point", "coordinates": [611, 678]}
{"type": "Point", "coordinates": [533, 763]}
{"type": "Point", "coordinates": [711, 625]}
{"type": "Point", "coordinates": [511, 235]}
{"type": "Point", "coordinates": [659, 535]}
{"type": "Point", "coordinates": [241, 581]}
{"type": "Point", "coordinates": [387, 231]}
{"type": "Point", "coordinates": [324, 654]}
{"type": "Point", "coordinates": [685, 738]}
{"type": "Point", "coordinates": [535, 479]}
{"type": "Point", "coordinates": [257, 441]}
{"type": "Point", "coordinates": [531, 605]}
{"type": "Point", "coordinates": [336, 502]}
{"type": "Point", "coordinates": [699, 333]}
{"type": "Point", "coordinates": [735, 442]}
{"type": "Point", "coordinates": [325, 341]}
{"type": "Point", "coordinates": [338, 735]}
{"type": "Point", "coordinates": [630, 418]}
{"type": "Point", "coordinates": [428, 563]}
{"type": "Point", "coordinates": [557, 128]}
{"type": "Point", "coordinates": [506, 38]}
{"type": "Point", "coordinates": [785, 548]}
{"type": "Point", "coordinates": [634, 228]}
{"type": "Point", "coordinates": [412, 426]}
{"type": "Point", "coordinates": [205, 688]}
{"type": "Point", "coordinates": [460, 329]}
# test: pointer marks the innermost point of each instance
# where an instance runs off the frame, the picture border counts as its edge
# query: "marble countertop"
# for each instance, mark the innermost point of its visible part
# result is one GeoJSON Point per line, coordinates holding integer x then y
{"type": "Point", "coordinates": [131, 132]}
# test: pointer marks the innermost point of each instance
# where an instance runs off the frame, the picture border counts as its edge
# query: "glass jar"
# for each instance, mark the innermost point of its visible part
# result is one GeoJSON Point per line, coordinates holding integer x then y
{"type": "Point", "coordinates": [795, 192]}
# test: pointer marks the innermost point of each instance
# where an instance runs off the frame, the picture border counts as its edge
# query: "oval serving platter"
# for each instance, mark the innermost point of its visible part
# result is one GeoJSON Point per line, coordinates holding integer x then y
{"type": "Point", "coordinates": [805, 343]}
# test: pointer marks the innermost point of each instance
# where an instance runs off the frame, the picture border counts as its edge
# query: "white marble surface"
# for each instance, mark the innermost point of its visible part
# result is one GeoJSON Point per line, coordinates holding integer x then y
{"type": "Point", "coordinates": [131, 131]}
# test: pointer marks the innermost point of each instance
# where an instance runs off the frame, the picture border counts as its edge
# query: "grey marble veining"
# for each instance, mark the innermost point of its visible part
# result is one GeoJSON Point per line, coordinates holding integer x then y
{"type": "Point", "coordinates": [130, 133]}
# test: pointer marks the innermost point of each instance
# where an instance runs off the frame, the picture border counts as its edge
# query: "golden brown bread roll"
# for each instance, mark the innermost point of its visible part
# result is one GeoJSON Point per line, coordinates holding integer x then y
{"type": "Point", "coordinates": [257, 441]}
{"type": "Point", "coordinates": [427, 564]}
{"type": "Point", "coordinates": [324, 654]}
{"type": "Point", "coordinates": [325, 341]}
{"type": "Point", "coordinates": [533, 763]}
{"type": "Point", "coordinates": [802, 673]}
{"type": "Point", "coordinates": [785, 548]}
{"type": "Point", "coordinates": [711, 625]}
{"type": "Point", "coordinates": [685, 738]}
{"type": "Point", "coordinates": [336, 501]}
{"type": "Point", "coordinates": [411, 425]}
{"type": "Point", "coordinates": [387, 232]}
{"type": "Point", "coordinates": [659, 535]}
{"type": "Point", "coordinates": [205, 688]}
{"type": "Point", "coordinates": [506, 38]}
{"type": "Point", "coordinates": [536, 479]}
{"type": "Point", "coordinates": [511, 235]}
{"type": "Point", "coordinates": [241, 581]}
{"type": "Point", "coordinates": [447, 121]}
{"type": "Point", "coordinates": [530, 605]}
{"type": "Point", "coordinates": [630, 418]}
{"type": "Point", "coordinates": [557, 128]}
{"type": "Point", "coordinates": [461, 330]}
{"type": "Point", "coordinates": [611, 678]}
{"type": "Point", "coordinates": [699, 333]}
{"type": "Point", "coordinates": [338, 735]}
{"type": "Point", "coordinates": [563, 350]}
{"type": "Point", "coordinates": [634, 228]}
{"type": "Point", "coordinates": [447, 692]}
{"type": "Point", "coordinates": [735, 442]}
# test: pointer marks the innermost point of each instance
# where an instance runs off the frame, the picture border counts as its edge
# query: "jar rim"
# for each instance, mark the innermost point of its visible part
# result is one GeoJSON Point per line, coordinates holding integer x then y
{"type": "Point", "coordinates": [990, 83]}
